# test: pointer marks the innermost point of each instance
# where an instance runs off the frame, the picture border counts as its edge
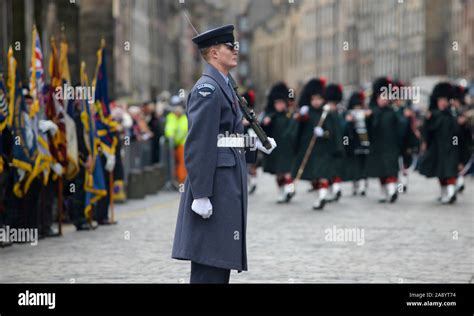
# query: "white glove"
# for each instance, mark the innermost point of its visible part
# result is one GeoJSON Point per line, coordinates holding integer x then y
{"type": "Point", "coordinates": [202, 207]}
{"type": "Point", "coordinates": [110, 164]}
{"type": "Point", "coordinates": [57, 169]}
{"type": "Point", "coordinates": [304, 110]}
{"type": "Point", "coordinates": [47, 126]}
{"type": "Point", "coordinates": [21, 173]}
{"type": "Point", "coordinates": [318, 131]}
{"type": "Point", "coordinates": [263, 149]}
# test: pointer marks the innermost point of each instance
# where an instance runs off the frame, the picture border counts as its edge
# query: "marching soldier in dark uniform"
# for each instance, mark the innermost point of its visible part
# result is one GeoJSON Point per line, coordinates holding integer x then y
{"type": "Point", "coordinates": [211, 226]}
{"type": "Point", "coordinates": [409, 136]}
{"type": "Point", "coordinates": [249, 96]}
{"type": "Point", "coordinates": [318, 168]}
{"type": "Point", "coordinates": [334, 96]}
{"type": "Point", "coordinates": [276, 123]}
{"type": "Point", "coordinates": [384, 126]}
{"type": "Point", "coordinates": [441, 148]}
{"type": "Point", "coordinates": [358, 144]}
{"type": "Point", "coordinates": [458, 102]}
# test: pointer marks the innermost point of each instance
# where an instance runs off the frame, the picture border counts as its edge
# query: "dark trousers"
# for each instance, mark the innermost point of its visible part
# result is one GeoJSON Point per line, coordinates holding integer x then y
{"type": "Point", "coordinates": [77, 205]}
{"type": "Point", "coordinates": [47, 203]}
{"type": "Point", "coordinates": [206, 274]}
{"type": "Point", "coordinates": [102, 206]}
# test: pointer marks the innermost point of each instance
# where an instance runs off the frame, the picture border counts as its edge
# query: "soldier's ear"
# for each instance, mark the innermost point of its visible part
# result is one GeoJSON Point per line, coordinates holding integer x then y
{"type": "Point", "coordinates": [214, 52]}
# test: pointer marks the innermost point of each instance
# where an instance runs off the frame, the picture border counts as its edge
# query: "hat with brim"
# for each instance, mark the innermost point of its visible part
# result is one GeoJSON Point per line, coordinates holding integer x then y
{"type": "Point", "coordinates": [220, 35]}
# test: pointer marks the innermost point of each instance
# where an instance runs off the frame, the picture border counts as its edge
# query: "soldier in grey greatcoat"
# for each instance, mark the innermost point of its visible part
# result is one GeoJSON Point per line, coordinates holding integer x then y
{"type": "Point", "coordinates": [211, 225]}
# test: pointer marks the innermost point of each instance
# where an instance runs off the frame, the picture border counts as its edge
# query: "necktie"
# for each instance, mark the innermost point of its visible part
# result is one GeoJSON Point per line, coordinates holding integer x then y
{"type": "Point", "coordinates": [231, 90]}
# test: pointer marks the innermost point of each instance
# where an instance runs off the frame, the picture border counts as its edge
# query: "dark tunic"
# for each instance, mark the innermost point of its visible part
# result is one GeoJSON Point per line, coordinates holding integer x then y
{"type": "Point", "coordinates": [442, 153]}
{"type": "Point", "coordinates": [356, 151]}
{"type": "Point", "coordinates": [281, 159]}
{"type": "Point", "coordinates": [408, 140]}
{"type": "Point", "coordinates": [320, 163]}
{"type": "Point", "coordinates": [384, 134]}
{"type": "Point", "coordinates": [339, 158]}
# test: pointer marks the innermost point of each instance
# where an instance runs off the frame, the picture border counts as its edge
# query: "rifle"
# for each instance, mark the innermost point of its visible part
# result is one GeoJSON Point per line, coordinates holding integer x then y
{"type": "Point", "coordinates": [249, 115]}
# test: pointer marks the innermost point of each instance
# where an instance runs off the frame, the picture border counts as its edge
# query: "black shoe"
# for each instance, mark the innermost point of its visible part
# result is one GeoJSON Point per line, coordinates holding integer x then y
{"type": "Point", "coordinates": [252, 190]}
{"type": "Point", "coordinates": [321, 206]}
{"type": "Point", "coordinates": [362, 193]}
{"type": "Point", "coordinates": [52, 233]}
{"type": "Point", "coordinates": [393, 198]}
{"type": "Point", "coordinates": [289, 196]}
{"type": "Point", "coordinates": [453, 199]}
{"type": "Point", "coordinates": [106, 222]}
{"type": "Point", "coordinates": [461, 189]}
{"type": "Point", "coordinates": [338, 196]}
{"type": "Point", "coordinates": [83, 227]}
{"type": "Point", "coordinates": [5, 244]}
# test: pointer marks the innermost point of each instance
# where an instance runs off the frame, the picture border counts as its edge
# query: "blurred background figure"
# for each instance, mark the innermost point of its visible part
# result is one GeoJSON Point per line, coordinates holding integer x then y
{"type": "Point", "coordinates": [249, 96]}
{"type": "Point", "coordinates": [176, 130]}
{"type": "Point", "coordinates": [155, 125]}
{"type": "Point", "coordinates": [276, 122]}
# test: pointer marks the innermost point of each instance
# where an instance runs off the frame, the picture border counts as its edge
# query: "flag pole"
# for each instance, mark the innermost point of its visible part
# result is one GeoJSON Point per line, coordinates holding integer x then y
{"type": "Point", "coordinates": [60, 205]}
{"type": "Point", "coordinates": [111, 193]}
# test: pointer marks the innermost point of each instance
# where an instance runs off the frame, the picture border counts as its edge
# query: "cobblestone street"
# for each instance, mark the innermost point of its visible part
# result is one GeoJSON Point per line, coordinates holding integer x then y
{"type": "Point", "coordinates": [415, 240]}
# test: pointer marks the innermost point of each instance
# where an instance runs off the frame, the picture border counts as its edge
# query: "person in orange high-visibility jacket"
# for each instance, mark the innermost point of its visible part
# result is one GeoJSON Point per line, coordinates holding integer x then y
{"type": "Point", "coordinates": [176, 128]}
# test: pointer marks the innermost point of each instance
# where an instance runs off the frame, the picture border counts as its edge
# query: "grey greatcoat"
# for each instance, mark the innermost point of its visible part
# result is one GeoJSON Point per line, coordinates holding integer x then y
{"type": "Point", "coordinates": [219, 173]}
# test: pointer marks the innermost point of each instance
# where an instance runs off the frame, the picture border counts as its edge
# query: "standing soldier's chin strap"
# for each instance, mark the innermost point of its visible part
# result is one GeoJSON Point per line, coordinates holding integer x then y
{"type": "Point", "coordinates": [248, 113]}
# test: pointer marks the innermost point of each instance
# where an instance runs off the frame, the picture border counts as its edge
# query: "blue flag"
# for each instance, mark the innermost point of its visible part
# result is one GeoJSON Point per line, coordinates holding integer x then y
{"type": "Point", "coordinates": [94, 184]}
{"type": "Point", "coordinates": [4, 113]}
{"type": "Point", "coordinates": [106, 127]}
{"type": "Point", "coordinates": [24, 144]}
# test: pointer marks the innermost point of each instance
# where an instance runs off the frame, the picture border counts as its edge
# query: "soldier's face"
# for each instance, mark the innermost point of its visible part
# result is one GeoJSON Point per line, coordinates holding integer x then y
{"type": "Point", "coordinates": [456, 103]}
{"type": "Point", "coordinates": [227, 56]}
{"type": "Point", "coordinates": [280, 105]}
{"type": "Point", "coordinates": [443, 104]}
{"type": "Point", "coordinates": [382, 101]}
{"type": "Point", "coordinates": [317, 101]}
